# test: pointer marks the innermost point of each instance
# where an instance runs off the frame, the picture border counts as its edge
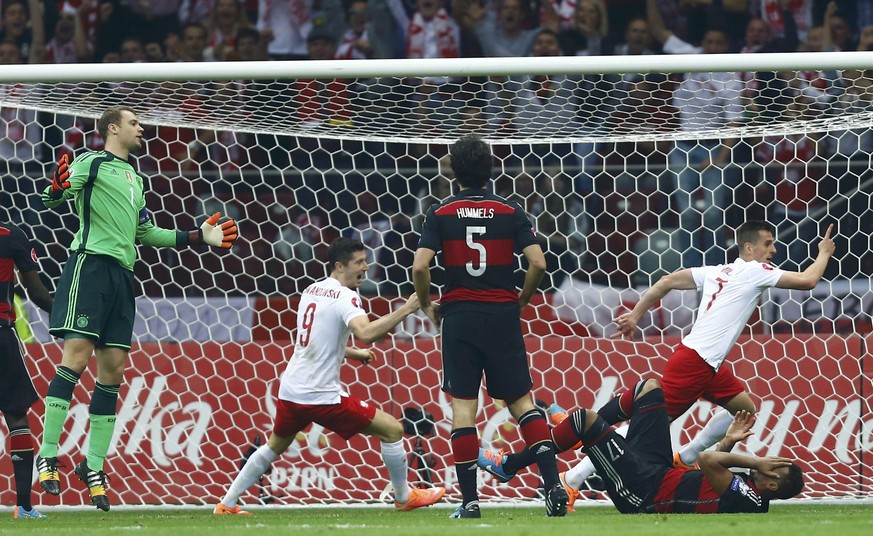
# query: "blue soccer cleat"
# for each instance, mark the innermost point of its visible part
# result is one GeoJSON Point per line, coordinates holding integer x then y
{"type": "Point", "coordinates": [21, 512]}
{"type": "Point", "coordinates": [470, 512]}
{"type": "Point", "coordinates": [492, 461]}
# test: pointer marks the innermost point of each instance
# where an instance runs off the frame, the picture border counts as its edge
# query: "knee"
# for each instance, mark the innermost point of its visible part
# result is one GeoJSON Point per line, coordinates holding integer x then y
{"type": "Point", "coordinates": [649, 385]}
{"type": "Point", "coordinates": [16, 420]}
{"type": "Point", "coordinates": [393, 432]}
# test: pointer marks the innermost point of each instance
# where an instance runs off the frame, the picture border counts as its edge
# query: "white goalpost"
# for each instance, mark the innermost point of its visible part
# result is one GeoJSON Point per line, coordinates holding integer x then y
{"type": "Point", "coordinates": [630, 166]}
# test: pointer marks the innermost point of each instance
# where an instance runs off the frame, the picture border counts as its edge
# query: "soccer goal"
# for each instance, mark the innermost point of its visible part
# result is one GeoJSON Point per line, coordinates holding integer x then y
{"type": "Point", "coordinates": [630, 167]}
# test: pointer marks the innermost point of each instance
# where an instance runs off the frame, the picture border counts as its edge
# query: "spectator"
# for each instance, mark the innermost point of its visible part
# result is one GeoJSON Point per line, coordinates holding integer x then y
{"type": "Point", "coordinates": [132, 50]}
{"type": "Point", "coordinates": [773, 13]}
{"type": "Point", "coordinates": [69, 44]}
{"type": "Point", "coordinates": [706, 102]}
{"type": "Point", "coordinates": [837, 31]}
{"type": "Point", "coordinates": [689, 20]}
{"type": "Point", "coordinates": [637, 39]}
{"type": "Point", "coordinates": [589, 34]}
{"type": "Point", "coordinates": [225, 21]}
{"type": "Point", "coordinates": [108, 29]}
{"type": "Point", "coordinates": [500, 33]}
{"type": "Point", "coordinates": [198, 11]}
{"type": "Point", "coordinates": [15, 17]}
{"type": "Point", "coordinates": [285, 25]}
{"type": "Point", "coordinates": [247, 46]}
{"type": "Point", "coordinates": [193, 43]}
{"type": "Point", "coordinates": [152, 19]}
{"type": "Point", "coordinates": [432, 32]}
{"type": "Point", "coordinates": [154, 51]}
{"type": "Point", "coordinates": [356, 42]}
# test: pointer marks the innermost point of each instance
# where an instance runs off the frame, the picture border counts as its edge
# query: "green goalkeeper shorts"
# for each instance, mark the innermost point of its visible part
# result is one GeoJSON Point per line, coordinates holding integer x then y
{"type": "Point", "coordinates": [95, 300]}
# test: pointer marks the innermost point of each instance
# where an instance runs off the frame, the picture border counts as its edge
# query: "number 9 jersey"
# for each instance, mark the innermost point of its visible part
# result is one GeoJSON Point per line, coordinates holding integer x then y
{"type": "Point", "coordinates": [313, 374]}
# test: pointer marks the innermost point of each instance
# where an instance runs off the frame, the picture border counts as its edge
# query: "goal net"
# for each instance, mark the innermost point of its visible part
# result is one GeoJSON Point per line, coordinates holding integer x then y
{"type": "Point", "coordinates": [630, 168]}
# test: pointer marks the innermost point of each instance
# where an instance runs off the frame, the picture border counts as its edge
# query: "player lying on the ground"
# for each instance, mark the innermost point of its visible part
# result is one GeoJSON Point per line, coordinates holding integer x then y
{"type": "Point", "coordinates": [638, 470]}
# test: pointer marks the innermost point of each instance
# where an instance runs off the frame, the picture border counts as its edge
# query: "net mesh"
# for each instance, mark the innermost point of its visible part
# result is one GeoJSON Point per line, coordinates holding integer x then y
{"type": "Point", "coordinates": [627, 177]}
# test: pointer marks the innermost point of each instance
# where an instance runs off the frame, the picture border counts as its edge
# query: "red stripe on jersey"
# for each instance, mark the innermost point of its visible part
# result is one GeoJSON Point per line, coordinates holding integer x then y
{"type": "Point", "coordinates": [7, 313]}
{"type": "Point", "coordinates": [7, 265]}
{"type": "Point", "coordinates": [497, 253]}
{"type": "Point", "coordinates": [467, 294]}
{"type": "Point", "coordinates": [483, 207]}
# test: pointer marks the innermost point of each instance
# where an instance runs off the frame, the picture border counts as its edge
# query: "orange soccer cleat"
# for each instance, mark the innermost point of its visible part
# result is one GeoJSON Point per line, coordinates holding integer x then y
{"type": "Point", "coordinates": [419, 497]}
{"type": "Point", "coordinates": [679, 464]}
{"type": "Point", "coordinates": [222, 510]}
{"type": "Point", "coordinates": [572, 494]}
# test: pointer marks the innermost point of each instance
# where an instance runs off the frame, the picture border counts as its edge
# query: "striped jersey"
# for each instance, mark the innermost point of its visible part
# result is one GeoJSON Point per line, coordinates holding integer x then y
{"type": "Point", "coordinates": [689, 492]}
{"type": "Point", "coordinates": [15, 251]}
{"type": "Point", "coordinates": [478, 236]}
{"type": "Point", "coordinates": [110, 202]}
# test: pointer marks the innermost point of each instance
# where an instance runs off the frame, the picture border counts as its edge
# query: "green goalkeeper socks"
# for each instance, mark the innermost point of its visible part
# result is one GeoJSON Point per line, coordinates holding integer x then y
{"type": "Point", "coordinates": [102, 416]}
{"type": "Point", "coordinates": [57, 405]}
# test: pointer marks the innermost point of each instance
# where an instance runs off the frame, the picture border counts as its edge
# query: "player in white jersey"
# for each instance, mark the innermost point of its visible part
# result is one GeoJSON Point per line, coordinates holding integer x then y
{"type": "Point", "coordinates": [729, 294]}
{"type": "Point", "coordinates": [310, 391]}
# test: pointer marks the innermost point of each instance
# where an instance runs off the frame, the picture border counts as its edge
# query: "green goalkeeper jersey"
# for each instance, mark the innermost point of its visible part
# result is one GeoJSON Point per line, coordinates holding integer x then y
{"type": "Point", "coordinates": [110, 202]}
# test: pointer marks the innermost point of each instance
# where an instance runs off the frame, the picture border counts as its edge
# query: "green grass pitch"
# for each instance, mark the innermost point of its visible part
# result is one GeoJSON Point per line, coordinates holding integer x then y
{"type": "Point", "coordinates": [808, 518]}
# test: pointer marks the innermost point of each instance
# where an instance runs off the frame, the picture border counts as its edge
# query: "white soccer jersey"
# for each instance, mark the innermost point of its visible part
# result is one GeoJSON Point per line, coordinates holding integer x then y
{"type": "Point", "coordinates": [730, 292]}
{"type": "Point", "coordinates": [323, 315]}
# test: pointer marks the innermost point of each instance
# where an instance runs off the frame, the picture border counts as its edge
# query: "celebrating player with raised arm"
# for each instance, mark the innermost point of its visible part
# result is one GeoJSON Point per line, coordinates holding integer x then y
{"type": "Point", "coordinates": [729, 294]}
{"type": "Point", "coordinates": [310, 391]}
{"type": "Point", "coordinates": [94, 304]}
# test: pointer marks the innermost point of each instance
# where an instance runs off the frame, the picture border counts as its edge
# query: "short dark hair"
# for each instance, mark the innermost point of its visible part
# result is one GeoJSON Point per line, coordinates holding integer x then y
{"type": "Point", "coordinates": [246, 33]}
{"type": "Point", "coordinates": [471, 161]}
{"type": "Point", "coordinates": [112, 116]}
{"type": "Point", "coordinates": [341, 251]}
{"type": "Point", "coordinates": [750, 232]}
{"type": "Point", "coordinates": [792, 484]}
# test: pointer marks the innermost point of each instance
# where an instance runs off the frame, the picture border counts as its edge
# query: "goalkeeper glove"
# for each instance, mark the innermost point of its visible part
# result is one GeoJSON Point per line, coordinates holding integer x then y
{"type": "Point", "coordinates": [61, 176]}
{"type": "Point", "coordinates": [211, 233]}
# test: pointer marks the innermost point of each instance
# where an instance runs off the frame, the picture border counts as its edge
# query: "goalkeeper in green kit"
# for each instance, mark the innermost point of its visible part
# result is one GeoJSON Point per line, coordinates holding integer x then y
{"type": "Point", "coordinates": [94, 303]}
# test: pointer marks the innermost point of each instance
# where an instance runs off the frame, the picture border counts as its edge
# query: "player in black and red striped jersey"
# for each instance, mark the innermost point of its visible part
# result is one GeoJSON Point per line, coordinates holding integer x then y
{"type": "Point", "coordinates": [478, 235]}
{"type": "Point", "coordinates": [638, 470]}
{"type": "Point", "coordinates": [17, 393]}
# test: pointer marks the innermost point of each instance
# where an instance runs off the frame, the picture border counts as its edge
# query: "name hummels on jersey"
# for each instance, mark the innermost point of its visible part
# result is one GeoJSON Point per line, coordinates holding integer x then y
{"type": "Point", "coordinates": [470, 212]}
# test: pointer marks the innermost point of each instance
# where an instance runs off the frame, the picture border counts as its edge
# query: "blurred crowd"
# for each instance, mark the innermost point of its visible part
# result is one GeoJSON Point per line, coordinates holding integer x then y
{"type": "Point", "coordinates": [594, 203]}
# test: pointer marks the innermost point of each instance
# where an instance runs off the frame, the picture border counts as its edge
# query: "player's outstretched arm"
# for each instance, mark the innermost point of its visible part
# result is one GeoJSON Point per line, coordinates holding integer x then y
{"type": "Point", "coordinates": [809, 278]}
{"type": "Point", "coordinates": [367, 331]}
{"type": "Point", "coordinates": [678, 280]}
{"type": "Point", "coordinates": [211, 232]}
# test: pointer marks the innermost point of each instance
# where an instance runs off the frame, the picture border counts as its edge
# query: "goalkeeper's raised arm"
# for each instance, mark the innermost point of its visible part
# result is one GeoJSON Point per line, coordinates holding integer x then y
{"type": "Point", "coordinates": [95, 295]}
{"type": "Point", "coordinates": [110, 201]}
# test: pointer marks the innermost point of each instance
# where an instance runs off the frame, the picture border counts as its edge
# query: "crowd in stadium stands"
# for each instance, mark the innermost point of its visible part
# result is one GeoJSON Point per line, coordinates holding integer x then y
{"type": "Point", "coordinates": [615, 190]}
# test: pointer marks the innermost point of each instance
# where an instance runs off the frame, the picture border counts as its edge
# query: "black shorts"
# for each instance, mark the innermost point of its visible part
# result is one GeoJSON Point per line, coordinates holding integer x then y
{"type": "Point", "coordinates": [474, 343]}
{"type": "Point", "coordinates": [17, 393]}
{"type": "Point", "coordinates": [632, 468]}
{"type": "Point", "coordinates": [95, 300]}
